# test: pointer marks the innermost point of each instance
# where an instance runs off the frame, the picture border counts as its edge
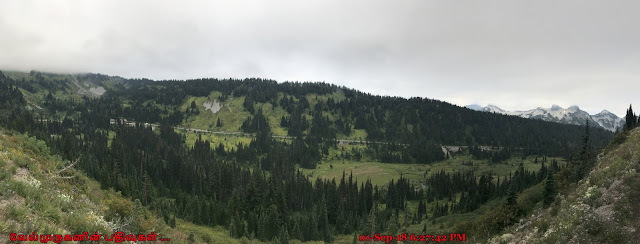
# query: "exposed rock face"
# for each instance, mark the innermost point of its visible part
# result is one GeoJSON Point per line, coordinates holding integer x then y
{"type": "Point", "coordinates": [214, 106]}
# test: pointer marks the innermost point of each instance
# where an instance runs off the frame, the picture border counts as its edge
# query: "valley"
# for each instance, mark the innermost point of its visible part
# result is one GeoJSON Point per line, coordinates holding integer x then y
{"type": "Point", "coordinates": [258, 161]}
{"type": "Point", "coordinates": [318, 122]}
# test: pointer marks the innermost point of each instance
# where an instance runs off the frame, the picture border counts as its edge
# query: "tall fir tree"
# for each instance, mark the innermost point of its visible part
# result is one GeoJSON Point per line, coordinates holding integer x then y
{"type": "Point", "coordinates": [631, 119]}
{"type": "Point", "coordinates": [549, 189]}
{"type": "Point", "coordinates": [323, 224]}
{"type": "Point", "coordinates": [284, 235]}
{"type": "Point", "coordinates": [511, 196]}
{"type": "Point", "coordinates": [585, 159]}
{"type": "Point", "coordinates": [392, 227]}
{"type": "Point", "coordinates": [371, 222]}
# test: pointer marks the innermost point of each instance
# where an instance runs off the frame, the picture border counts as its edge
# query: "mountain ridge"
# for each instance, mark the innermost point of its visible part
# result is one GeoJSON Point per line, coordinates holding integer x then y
{"type": "Point", "coordinates": [571, 115]}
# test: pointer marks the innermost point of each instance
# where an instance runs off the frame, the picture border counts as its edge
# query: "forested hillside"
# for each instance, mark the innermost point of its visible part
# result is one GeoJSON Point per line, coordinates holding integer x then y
{"type": "Point", "coordinates": [258, 186]}
{"type": "Point", "coordinates": [601, 208]}
{"type": "Point", "coordinates": [41, 193]}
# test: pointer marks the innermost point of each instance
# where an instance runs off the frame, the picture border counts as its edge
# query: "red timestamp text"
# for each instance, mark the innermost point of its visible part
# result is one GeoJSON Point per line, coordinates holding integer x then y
{"type": "Point", "coordinates": [414, 237]}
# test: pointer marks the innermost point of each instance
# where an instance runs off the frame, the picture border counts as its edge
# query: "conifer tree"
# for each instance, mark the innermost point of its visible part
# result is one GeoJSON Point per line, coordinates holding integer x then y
{"type": "Point", "coordinates": [284, 235]}
{"type": "Point", "coordinates": [392, 226]}
{"type": "Point", "coordinates": [631, 119]}
{"type": "Point", "coordinates": [232, 227]}
{"type": "Point", "coordinates": [296, 232]}
{"type": "Point", "coordinates": [172, 223]}
{"type": "Point", "coordinates": [237, 227]}
{"type": "Point", "coordinates": [371, 222]}
{"type": "Point", "coordinates": [405, 225]}
{"type": "Point", "coordinates": [549, 189]}
{"type": "Point", "coordinates": [323, 224]}
{"type": "Point", "coordinates": [511, 196]}
{"type": "Point", "coordinates": [585, 160]}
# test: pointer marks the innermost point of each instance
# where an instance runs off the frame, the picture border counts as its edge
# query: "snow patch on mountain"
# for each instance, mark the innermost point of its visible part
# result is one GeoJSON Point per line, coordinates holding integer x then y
{"type": "Point", "coordinates": [608, 120]}
{"type": "Point", "coordinates": [571, 115]}
{"type": "Point", "coordinates": [474, 107]}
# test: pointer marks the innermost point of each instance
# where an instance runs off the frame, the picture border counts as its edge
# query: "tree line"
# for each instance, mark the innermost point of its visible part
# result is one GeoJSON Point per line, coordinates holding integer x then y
{"type": "Point", "coordinates": [254, 190]}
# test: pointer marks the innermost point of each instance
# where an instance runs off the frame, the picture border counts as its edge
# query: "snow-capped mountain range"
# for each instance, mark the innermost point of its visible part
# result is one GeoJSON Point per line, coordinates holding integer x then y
{"type": "Point", "coordinates": [571, 115]}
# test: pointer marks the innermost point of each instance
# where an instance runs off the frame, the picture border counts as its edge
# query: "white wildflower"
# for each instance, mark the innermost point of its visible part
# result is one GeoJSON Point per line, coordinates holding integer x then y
{"type": "Point", "coordinates": [98, 220]}
{"type": "Point", "coordinates": [549, 231]}
{"type": "Point", "coordinates": [66, 198]}
{"type": "Point", "coordinates": [32, 182]}
{"type": "Point", "coordinates": [506, 237]}
{"type": "Point", "coordinates": [590, 192]}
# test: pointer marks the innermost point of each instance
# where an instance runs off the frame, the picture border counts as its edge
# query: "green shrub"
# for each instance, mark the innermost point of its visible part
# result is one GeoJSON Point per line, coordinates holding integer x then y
{"type": "Point", "coordinates": [593, 225]}
{"type": "Point", "coordinates": [24, 190]}
{"type": "Point", "coordinates": [4, 174]}
{"type": "Point", "coordinates": [76, 223]}
{"type": "Point", "coordinates": [118, 207]}
{"type": "Point", "coordinates": [601, 231]}
{"type": "Point", "coordinates": [52, 214]}
{"type": "Point", "coordinates": [17, 212]}
{"type": "Point", "coordinates": [33, 168]}
{"type": "Point", "coordinates": [37, 147]}
{"type": "Point", "coordinates": [555, 208]}
{"type": "Point", "coordinates": [81, 222]}
{"type": "Point", "coordinates": [592, 195]}
{"type": "Point", "coordinates": [529, 197]}
{"type": "Point", "coordinates": [206, 237]}
{"type": "Point", "coordinates": [560, 235]}
{"type": "Point", "coordinates": [9, 227]}
{"type": "Point", "coordinates": [20, 161]}
{"type": "Point", "coordinates": [543, 225]}
{"type": "Point", "coordinates": [617, 139]}
{"type": "Point", "coordinates": [49, 211]}
{"type": "Point", "coordinates": [495, 221]}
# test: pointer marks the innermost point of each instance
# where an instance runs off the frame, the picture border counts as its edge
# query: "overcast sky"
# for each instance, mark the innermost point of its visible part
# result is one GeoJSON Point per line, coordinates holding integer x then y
{"type": "Point", "coordinates": [515, 54]}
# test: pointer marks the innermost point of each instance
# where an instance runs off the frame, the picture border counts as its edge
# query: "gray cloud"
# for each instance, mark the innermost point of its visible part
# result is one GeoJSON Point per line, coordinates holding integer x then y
{"type": "Point", "coordinates": [515, 54]}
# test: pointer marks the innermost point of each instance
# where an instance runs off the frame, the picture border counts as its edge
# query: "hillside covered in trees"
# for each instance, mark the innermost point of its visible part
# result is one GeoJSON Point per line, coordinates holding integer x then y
{"type": "Point", "coordinates": [601, 208]}
{"type": "Point", "coordinates": [256, 188]}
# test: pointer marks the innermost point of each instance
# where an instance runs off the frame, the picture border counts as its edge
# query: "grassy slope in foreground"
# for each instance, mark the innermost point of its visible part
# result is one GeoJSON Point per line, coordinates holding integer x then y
{"type": "Point", "coordinates": [34, 198]}
{"type": "Point", "coordinates": [603, 208]}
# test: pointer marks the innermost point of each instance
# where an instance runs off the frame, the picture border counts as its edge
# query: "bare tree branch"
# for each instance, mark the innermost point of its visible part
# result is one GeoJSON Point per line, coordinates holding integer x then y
{"type": "Point", "coordinates": [68, 166]}
{"type": "Point", "coordinates": [64, 177]}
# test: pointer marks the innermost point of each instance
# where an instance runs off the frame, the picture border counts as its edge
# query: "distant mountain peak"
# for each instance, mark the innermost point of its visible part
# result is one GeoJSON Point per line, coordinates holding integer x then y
{"type": "Point", "coordinates": [570, 115]}
{"type": "Point", "coordinates": [474, 107]}
{"type": "Point", "coordinates": [606, 112]}
{"type": "Point", "coordinates": [494, 109]}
